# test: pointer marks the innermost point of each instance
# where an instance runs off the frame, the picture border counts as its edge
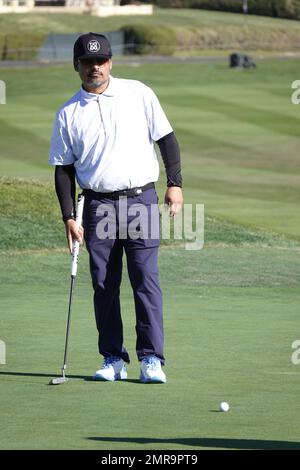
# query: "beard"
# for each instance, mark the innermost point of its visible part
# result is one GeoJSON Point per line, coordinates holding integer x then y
{"type": "Point", "coordinates": [94, 83]}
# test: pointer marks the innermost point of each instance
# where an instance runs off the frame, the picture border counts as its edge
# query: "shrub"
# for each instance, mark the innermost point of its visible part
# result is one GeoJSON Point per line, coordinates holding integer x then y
{"type": "Point", "coordinates": [141, 39]}
{"type": "Point", "coordinates": [20, 46]}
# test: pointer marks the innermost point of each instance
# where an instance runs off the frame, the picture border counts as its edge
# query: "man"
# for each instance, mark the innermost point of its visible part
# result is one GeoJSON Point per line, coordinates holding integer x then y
{"type": "Point", "coordinates": [105, 137]}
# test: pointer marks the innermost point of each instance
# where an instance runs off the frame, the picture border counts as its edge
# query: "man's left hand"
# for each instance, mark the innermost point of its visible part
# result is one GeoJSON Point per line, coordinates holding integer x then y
{"type": "Point", "coordinates": [174, 200]}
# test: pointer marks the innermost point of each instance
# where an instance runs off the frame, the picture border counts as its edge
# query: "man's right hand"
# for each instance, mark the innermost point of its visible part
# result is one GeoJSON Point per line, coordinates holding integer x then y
{"type": "Point", "coordinates": [73, 233]}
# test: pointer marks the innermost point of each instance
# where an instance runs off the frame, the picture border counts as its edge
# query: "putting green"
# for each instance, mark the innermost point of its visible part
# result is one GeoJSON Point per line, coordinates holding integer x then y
{"type": "Point", "coordinates": [230, 316]}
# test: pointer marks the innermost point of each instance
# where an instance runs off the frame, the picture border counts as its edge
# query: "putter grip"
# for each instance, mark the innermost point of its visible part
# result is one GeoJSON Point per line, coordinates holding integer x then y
{"type": "Point", "coordinates": [75, 252]}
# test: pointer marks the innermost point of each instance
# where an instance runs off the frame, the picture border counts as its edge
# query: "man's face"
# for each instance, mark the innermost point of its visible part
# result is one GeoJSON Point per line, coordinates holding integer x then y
{"type": "Point", "coordinates": [94, 73]}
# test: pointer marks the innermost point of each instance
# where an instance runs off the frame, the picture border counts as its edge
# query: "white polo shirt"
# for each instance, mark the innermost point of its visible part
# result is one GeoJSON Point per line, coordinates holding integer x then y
{"type": "Point", "coordinates": [110, 137]}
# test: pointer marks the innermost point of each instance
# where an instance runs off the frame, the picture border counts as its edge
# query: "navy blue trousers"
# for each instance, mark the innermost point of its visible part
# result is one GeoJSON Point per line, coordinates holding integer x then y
{"type": "Point", "coordinates": [112, 227]}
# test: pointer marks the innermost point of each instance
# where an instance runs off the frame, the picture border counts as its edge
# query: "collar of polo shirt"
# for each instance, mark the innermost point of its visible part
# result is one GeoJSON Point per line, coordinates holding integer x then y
{"type": "Point", "coordinates": [109, 91]}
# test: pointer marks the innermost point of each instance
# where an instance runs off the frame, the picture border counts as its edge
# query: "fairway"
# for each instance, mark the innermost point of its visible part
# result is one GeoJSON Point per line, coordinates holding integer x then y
{"type": "Point", "coordinates": [231, 309]}
{"type": "Point", "coordinates": [238, 131]}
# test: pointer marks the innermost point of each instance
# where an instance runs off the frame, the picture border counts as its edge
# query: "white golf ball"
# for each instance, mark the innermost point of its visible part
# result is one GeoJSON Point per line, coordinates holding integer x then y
{"type": "Point", "coordinates": [224, 406]}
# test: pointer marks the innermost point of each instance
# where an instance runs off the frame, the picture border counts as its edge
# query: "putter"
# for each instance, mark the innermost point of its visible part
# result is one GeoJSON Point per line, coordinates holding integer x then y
{"type": "Point", "coordinates": [75, 253]}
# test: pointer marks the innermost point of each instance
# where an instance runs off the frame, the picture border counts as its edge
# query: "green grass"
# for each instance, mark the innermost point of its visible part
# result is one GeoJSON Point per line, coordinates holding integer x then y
{"type": "Point", "coordinates": [195, 29]}
{"type": "Point", "coordinates": [226, 339]}
{"type": "Point", "coordinates": [238, 131]}
{"type": "Point", "coordinates": [231, 310]}
{"type": "Point", "coordinates": [31, 220]}
{"type": "Point", "coordinates": [68, 23]}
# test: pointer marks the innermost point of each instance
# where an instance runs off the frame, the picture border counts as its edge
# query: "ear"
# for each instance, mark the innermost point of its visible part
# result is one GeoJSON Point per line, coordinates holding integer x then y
{"type": "Point", "coordinates": [110, 64]}
{"type": "Point", "coordinates": [75, 64]}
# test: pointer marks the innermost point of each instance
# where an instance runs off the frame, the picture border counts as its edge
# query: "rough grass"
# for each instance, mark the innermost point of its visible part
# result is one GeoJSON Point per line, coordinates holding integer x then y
{"type": "Point", "coordinates": [31, 220]}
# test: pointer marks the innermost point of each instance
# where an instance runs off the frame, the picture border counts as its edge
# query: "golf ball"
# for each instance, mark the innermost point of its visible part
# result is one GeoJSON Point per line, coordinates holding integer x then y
{"type": "Point", "coordinates": [224, 406]}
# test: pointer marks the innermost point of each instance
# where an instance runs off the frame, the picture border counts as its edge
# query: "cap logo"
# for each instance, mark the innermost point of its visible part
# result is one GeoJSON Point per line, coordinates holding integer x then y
{"type": "Point", "coordinates": [93, 46]}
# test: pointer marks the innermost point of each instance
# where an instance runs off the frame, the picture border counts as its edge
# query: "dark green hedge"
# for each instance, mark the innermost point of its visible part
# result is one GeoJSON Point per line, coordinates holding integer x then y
{"type": "Point", "coordinates": [275, 8]}
{"type": "Point", "coordinates": [20, 46]}
{"type": "Point", "coordinates": [141, 39]}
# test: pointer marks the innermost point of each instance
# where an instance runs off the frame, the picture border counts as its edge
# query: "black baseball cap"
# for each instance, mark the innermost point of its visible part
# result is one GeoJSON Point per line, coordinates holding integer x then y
{"type": "Point", "coordinates": [91, 45]}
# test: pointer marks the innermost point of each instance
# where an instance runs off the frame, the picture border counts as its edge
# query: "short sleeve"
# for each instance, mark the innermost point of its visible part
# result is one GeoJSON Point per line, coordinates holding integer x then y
{"type": "Point", "coordinates": [158, 123]}
{"type": "Point", "coordinates": [60, 147]}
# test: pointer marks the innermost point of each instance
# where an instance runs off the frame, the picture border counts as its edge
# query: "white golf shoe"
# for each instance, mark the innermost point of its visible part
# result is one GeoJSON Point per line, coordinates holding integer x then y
{"type": "Point", "coordinates": [113, 368]}
{"type": "Point", "coordinates": [151, 371]}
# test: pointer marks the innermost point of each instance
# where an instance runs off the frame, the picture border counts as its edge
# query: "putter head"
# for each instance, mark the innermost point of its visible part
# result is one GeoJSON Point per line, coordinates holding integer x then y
{"type": "Point", "coordinates": [58, 380]}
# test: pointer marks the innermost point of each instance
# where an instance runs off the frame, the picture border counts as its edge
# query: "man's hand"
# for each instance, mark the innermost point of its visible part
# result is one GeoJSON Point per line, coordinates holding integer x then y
{"type": "Point", "coordinates": [73, 233]}
{"type": "Point", "coordinates": [174, 200]}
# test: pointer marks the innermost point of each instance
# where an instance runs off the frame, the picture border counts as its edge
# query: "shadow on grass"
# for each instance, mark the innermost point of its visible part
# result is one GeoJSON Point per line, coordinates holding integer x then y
{"type": "Point", "coordinates": [133, 381]}
{"type": "Point", "coordinates": [49, 376]}
{"type": "Point", "coordinates": [207, 442]}
{"type": "Point", "coordinates": [86, 378]}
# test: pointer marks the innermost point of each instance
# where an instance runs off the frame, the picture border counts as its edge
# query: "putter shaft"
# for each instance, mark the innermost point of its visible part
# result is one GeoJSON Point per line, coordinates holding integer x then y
{"type": "Point", "coordinates": [74, 263]}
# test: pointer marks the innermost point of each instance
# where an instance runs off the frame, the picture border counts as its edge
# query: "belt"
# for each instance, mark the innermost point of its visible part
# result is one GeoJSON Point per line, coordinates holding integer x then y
{"type": "Point", "coordinates": [132, 192]}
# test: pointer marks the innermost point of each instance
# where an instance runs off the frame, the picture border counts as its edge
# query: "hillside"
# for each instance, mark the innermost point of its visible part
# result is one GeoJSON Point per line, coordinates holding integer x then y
{"type": "Point", "coordinates": [196, 30]}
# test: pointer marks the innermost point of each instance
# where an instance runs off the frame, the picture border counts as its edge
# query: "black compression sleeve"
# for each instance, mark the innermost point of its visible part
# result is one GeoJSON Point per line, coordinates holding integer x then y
{"type": "Point", "coordinates": [65, 189]}
{"type": "Point", "coordinates": [170, 153]}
